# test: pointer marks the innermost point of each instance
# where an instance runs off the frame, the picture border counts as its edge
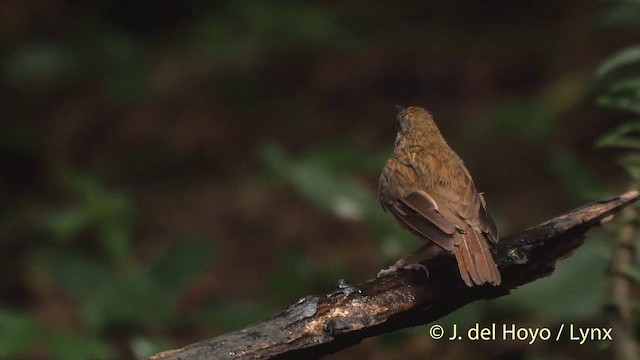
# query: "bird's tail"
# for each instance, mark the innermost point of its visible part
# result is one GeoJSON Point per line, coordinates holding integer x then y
{"type": "Point", "coordinates": [475, 261]}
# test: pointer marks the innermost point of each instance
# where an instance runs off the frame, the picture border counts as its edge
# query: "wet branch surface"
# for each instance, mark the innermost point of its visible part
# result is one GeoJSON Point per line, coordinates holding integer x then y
{"type": "Point", "coordinates": [322, 324]}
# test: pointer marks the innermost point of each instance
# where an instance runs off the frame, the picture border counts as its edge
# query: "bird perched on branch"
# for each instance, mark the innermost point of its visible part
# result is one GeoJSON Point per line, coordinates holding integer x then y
{"type": "Point", "coordinates": [427, 188]}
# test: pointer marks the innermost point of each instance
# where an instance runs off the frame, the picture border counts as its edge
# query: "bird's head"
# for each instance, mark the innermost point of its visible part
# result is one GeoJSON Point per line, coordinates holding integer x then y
{"type": "Point", "coordinates": [416, 124]}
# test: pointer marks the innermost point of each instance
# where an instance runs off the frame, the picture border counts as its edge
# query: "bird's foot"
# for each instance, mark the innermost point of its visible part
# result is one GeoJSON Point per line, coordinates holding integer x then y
{"type": "Point", "coordinates": [402, 265]}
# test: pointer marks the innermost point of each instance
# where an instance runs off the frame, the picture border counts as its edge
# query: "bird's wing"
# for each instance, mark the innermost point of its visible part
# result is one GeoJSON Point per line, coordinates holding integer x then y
{"type": "Point", "coordinates": [419, 212]}
{"type": "Point", "coordinates": [464, 204]}
{"type": "Point", "coordinates": [467, 204]}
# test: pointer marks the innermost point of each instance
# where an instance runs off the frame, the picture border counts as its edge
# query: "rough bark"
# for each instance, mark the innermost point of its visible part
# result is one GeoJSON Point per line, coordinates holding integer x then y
{"type": "Point", "coordinates": [317, 325]}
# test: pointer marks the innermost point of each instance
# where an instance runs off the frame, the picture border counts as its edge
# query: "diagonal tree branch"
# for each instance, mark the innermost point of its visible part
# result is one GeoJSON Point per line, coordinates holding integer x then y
{"type": "Point", "coordinates": [321, 324]}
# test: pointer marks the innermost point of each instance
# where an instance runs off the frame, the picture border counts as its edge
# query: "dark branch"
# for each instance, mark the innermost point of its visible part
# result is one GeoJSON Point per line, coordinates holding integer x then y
{"type": "Point", "coordinates": [321, 324]}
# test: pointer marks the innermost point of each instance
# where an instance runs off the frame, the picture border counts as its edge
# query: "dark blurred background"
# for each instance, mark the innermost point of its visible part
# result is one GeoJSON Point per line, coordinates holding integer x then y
{"type": "Point", "coordinates": [171, 171]}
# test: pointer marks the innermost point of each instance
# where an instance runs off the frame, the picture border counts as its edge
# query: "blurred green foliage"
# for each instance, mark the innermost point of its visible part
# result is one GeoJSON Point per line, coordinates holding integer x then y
{"type": "Point", "coordinates": [622, 14]}
{"type": "Point", "coordinates": [109, 213]}
{"type": "Point", "coordinates": [575, 176]}
{"type": "Point", "coordinates": [112, 57]}
{"type": "Point", "coordinates": [561, 290]}
{"type": "Point", "coordinates": [247, 29]}
{"type": "Point", "coordinates": [327, 178]}
{"type": "Point", "coordinates": [535, 123]}
{"type": "Point", "coordinates": [111, 104]}
{"type": "Point", "coordinates": [618, 81]}
{"type": "Point", "coordinates": [108, 288]}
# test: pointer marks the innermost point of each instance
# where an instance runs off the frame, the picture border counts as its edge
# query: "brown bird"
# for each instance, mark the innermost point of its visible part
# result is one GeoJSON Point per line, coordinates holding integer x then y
{"type": "Point", "coordinates": [427, 188]}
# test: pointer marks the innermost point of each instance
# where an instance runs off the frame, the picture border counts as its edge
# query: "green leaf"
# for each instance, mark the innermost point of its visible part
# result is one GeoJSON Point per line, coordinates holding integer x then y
{"type": "Point", "coordinates": [143, 346]}
{"type": "Point", "coordinates": [626, 135]}
{"type": "Point", "coordinates": [116, 238]}
{"type": "Point", "coordinates": [124, 65]}
{"type": "Point", "coordinates": [65, 346]}
{"type": "Point", "coordinates": [325, 187]}
{"type": "Point", "coordinates": [623, 14]}
{"type": "Point", "coordinates": [19, 333]}
{"type": "Point", "coordinates": [233, 315]}
{"type": "Point", "coordinates": [294, 276]}
{"type": "Point", "coordinates": [631, 163]}
{"type": "Point", "coordinates": [129, 298]}
{"type": "Point", "coordinates": [77, 275]}
{"type": "Point", "coordinates": [526, 120]}
{"type": "Point", "coordinates": [110, 213]}
{"type": "Point", "coordinates": [181, 264]}
{"type": "Point", "coordinates": [621, 102]}
{"type": "Point", "coordinates": [247, 28]}
{"type": "Point", "coordinates": [37, 63]}
{"type": "Point", "coordinates": [628, 84]}
{"type": "Point", "coordinates": [106, 297]}
{"type": "Point", "coordinates": [66, 224]}
{"type": "Point", "coordinates": [564, 287]}
{"type": "Point", "coordinates": [328, 187]}
{"type": "Point", "coordinates": [341, 157]}
{"type": "Point", "coordinates": [627, 57]}
{"type": "Point", "coordinates": [576, 178]}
